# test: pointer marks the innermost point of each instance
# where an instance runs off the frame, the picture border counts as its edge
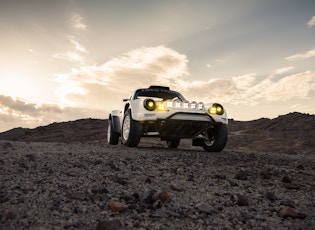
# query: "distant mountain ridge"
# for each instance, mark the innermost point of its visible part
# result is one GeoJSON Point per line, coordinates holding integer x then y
{"type": "Point", "coordinates": [292, 133]}
{"type": "Point", "coordinates": [70, 131]}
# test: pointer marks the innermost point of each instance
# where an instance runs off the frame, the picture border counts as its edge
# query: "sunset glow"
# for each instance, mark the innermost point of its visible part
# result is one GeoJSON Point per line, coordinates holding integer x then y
{"type": "Point", "coordinates": [66, 60]}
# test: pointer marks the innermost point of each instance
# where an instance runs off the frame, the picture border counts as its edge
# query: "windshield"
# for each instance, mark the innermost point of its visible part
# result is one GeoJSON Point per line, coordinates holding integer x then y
{"type": "Point", "coordinates": [159, 93]}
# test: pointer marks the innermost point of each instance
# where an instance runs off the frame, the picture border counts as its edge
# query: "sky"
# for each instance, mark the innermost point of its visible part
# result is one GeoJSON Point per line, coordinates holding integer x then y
{"type": "Point", "coordinates": [64, 60]}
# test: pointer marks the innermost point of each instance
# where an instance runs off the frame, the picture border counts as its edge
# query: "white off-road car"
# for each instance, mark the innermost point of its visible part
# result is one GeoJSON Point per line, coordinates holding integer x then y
{"type": "Point", "coordinates": [159, 111]}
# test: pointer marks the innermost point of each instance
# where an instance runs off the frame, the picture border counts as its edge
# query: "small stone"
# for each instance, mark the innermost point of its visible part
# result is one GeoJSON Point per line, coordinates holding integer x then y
{"type": "Point", "coordinates": [7, 214]}
{"type": "Point", "coordinates": [118, 206]}
{"type": "Point", "coordinates": [266, 174]}
{"type": "Point", "coordinates": [164, 196]}
{"type": "Point", "coordinates": [233, 183]}
{"type": "Point", "coordinates": [109, 225]}
{"type": "Point", "coordinates": [120, 180]}
{"type": "Point", "coordinates": [99, 190]}
{"type": "Point", "coordinates": [291, 212]}
{"type": "Point", "coordinates": [218, 176]}
{"type": "Point", "coordinates": [175, 187]}
{"type": "Point", "coordinates": [241, 175]}
{"type": "Point", "coordinates": [270, 196]}
{"type": "Point", "coordinates": [147, 197]}
{"type": "Point", "coordinates": [180, 171]}
{"type": "Point", "coordinates": [30, 157]}
{"type": "Point", "coordinates": [240, 200]}
{"type": "Point", "coordinates": [291, 186]}
{"type": "Point", "coordinates": [286, 179]}
{"type": "Point", "coordinates": [205, 207]}
{"type": "Point", "coordinates": [76, 196]}
{"type": "Point", "coordinates": [191, 178]}
{"type": "Point", "coordinates": [288, 203]}
{"type": "Point", "coordinates": [148, 180]}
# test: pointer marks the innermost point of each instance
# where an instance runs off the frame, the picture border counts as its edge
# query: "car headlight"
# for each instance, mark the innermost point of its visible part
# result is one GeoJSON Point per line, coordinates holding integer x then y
{"type": "Point", "coordinates": [161, 106]}
{"type": "Point", "coordinates": [149, 104]}
{"type": "Point", "coordinates": [216, 109]}
{"type": "Point", "coordinates": [200, 106]}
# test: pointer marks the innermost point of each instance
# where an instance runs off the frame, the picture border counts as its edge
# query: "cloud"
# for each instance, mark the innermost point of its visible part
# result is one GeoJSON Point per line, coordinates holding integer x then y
{"type": "Point", "coordinates": [302, 56]}
{"type": "Point", "coordinates": [79, 47]}
{"type": "Point", "coordinates": [209, 66]}
{"type": "Point", "coordinates": [112, 81]}
{"type": "Point", "coordinates": [77, 53]}
{"type": "Point", "coordinates": [120, 76]}
{"type": "Point", "coordinates": [95, 90]}
{"type": "Point", "coordinates": [77, 22]}
{"type": "Point", "coordinates": [270, 90]}
{"type": "Point", "coordinates": [70, 56]}
{"type": "Point", "coordinates": [16, 112]}
{"type": "Point", "coordinates": [311, 22]}
{"type": "Point", "coordinates": [284, 70]}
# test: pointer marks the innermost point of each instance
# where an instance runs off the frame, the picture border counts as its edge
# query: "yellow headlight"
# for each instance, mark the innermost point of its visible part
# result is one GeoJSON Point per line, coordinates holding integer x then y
{"type": "Point", "coordinates": [161, 106]}
{"type": "Point", "coordinates": [149, 104]}
{"type": "Point", "coordinates": [216, 109]}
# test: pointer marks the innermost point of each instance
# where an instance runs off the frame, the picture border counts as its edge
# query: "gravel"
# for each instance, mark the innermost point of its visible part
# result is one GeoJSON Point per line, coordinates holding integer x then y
{"type": "Point", "coordinates": [96, 186]}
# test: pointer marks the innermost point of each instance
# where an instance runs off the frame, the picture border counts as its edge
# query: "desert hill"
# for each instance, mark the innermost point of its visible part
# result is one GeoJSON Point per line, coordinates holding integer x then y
{"type": "Point", "coordinates": [71, 131]}
{"type": "Point", "coordinates": [292, 133]}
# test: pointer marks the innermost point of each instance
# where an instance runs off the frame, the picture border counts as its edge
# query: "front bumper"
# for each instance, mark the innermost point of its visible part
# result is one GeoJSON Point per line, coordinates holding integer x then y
{"type": "Point", "coordinates": [178, 125]}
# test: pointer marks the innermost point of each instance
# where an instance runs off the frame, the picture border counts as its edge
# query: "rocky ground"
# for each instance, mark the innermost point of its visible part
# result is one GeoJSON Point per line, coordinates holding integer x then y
{"type": "Point", "coordinates": [95, 186]}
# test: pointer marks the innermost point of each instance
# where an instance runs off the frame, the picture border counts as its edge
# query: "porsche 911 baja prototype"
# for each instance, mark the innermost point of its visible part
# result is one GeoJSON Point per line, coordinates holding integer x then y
{"type": "Point", "coordinates": [159, 111]}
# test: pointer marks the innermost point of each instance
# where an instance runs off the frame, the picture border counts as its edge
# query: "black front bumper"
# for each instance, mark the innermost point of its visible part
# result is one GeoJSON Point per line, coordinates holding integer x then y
{"type": "Point", "coordinates": [172, 128]}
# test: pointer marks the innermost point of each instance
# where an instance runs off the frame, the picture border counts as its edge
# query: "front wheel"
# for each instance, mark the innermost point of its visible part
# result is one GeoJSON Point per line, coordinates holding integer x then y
{"type": "Point", "coordinates": [131, 130]}
{"type": "Point", "coordinates": [216, 138]}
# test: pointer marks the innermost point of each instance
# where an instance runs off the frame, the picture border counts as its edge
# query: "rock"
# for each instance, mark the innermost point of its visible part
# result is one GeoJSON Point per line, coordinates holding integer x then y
{"type": "Point", "coordinates": [266, 174]}
{"type": "Point", "coordinates": [164, 196]}
{"type": "Point", "coordinates": [239, 199]}
{"type": "Point", "coordinates": [77, 196]}
{"type": "Point", "coordinates": [148, 180]}
{"type": "Point", "coordinates": [120, 180]}
{"type": "Point", "coordinates": [147, 197]}
{"type": "Point", "coordinates": [205, 207]}
{"type": "Point", "coordinates": [270, 196]}
{"type": "Point", "coordinates": [175, 187]}
{"type": "Point", "coordinates": [118, 206]}
{"type": "Point", "coordinates": [241, 175]}
{"type": "Point", "coordinates": [219, 176]}
{"type": "Point", "coordinates": [99, 190]}
{"type": "Point", "coordinates": [291, 186]}
{"type": "Point", "coordinates": [190, 177]}
{"type": "Point", "coordinates": [7, 214]}
{"type": "Point", "coordinates": [288, 203]}
{"type": "Point", "coordinates": [291, 212]}
{"type": "Point", "coordinates": [30, 157]}
{"type": "Point", "coordinates": [109, 225]}
{"type": "Point", "coordinates": [286, 179]}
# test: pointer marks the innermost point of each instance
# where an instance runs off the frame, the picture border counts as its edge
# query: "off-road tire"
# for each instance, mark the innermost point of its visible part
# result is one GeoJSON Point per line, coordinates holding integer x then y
{"type": "Point", "coordinates": [131, 130]}
{"type": "Point", "coordinates": [112, 137]}
{"type": "Point", "coordinates": [217, 138]}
